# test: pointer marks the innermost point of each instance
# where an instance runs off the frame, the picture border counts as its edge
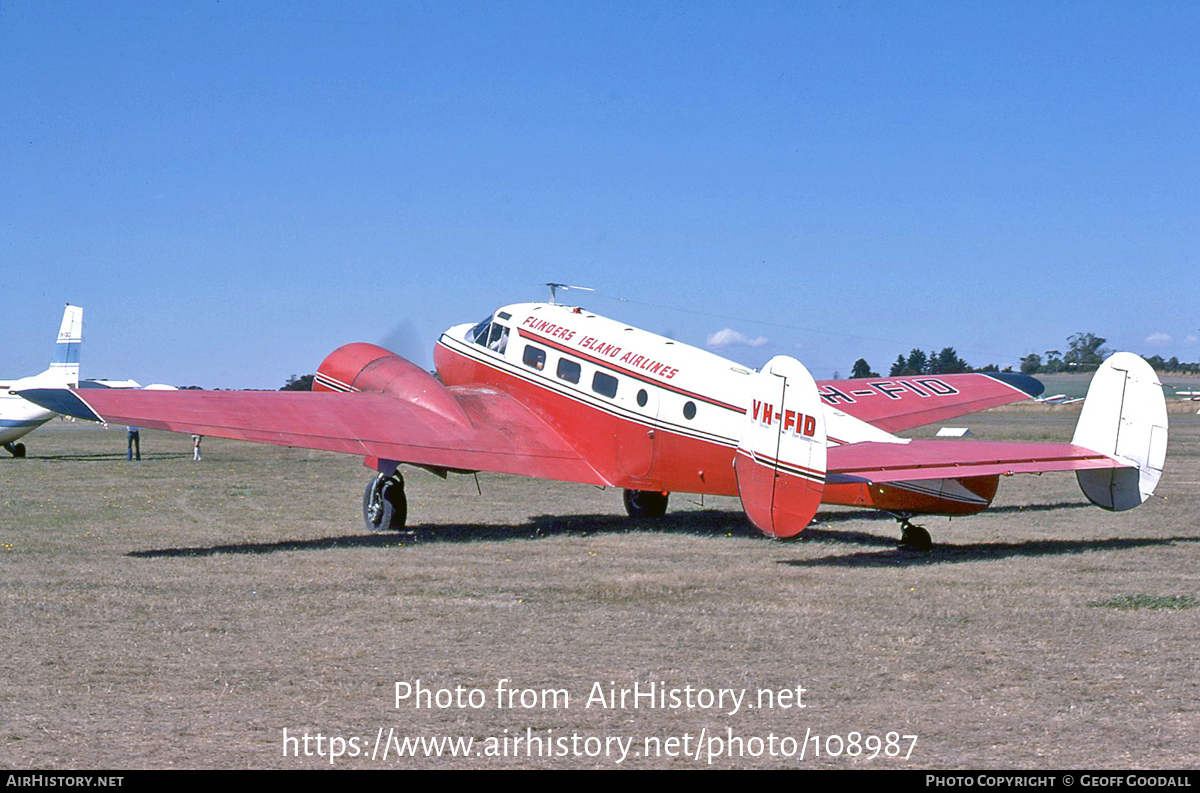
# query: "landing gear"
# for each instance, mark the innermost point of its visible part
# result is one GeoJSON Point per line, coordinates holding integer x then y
{"type": "Point", "coordinates": [15, 449]}
{"type": "Point", "coordinates": [646, 503]}
{"type": "Point", "coordinates": [385, 507]}
{"type": "Point", "coordinates": [913, 537]}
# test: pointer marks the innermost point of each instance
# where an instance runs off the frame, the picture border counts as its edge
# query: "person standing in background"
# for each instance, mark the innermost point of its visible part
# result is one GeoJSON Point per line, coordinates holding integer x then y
{"type": "Point", "coordinates": [133, 444]}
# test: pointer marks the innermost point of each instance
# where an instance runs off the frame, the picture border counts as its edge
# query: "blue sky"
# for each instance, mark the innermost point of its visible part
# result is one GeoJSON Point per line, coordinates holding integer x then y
{"type": "Point", "coordinates": [233, 189]}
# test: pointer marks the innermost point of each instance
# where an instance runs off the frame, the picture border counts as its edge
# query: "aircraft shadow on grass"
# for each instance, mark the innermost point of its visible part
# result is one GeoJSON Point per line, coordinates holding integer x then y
{"type": "Point", "coordinates": [108, 457]}
{"type": "Point", "coordinates": [975, 552]}
{"type": "Point", "coordinates": [705, 523]}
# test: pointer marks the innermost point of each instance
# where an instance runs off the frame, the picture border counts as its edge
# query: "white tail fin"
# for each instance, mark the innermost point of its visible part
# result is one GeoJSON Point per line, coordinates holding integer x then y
{"type": "Point", "coordinates": [1125, 417]}
{"type": "Point", "coordinates": [780, 462]}
{"type": "Point", "coordinates": [64, 367]}
{"type": "Point", "coordinates": [66, 351]}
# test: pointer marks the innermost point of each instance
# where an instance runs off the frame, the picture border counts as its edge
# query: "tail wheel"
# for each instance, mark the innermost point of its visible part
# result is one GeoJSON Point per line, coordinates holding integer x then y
{"type": "Point", "coordinates": [646, 503]}
{"type": "Point", "coordinates": [385, 507]}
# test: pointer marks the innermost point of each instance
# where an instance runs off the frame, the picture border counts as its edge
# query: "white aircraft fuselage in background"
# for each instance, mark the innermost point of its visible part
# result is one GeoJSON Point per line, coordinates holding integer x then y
{"type": "Point", "coordinates": [18, 416]}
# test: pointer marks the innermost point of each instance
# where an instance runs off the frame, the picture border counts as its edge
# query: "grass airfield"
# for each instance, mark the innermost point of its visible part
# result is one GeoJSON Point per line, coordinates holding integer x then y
{"type": "Point", "coordinates": [184, 614]}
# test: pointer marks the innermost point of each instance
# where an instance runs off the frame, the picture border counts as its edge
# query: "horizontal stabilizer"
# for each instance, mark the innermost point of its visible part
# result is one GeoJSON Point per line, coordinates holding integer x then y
{"type": "Point", "coordinates": [952, 459]}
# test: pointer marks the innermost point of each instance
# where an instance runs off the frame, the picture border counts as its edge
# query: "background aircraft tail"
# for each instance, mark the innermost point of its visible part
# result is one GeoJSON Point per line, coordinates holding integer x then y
{"type": "Point", "coordinates": [1124, 416]}
{"type": "Point", "coordinates": [66, 351]}
{"type": "Point", "coordinates": [64, 366]}
{"type": "Point", "coordinates": [781, 459]}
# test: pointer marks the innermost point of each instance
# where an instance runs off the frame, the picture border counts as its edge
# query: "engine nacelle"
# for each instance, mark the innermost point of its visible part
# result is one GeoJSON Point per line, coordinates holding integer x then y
{"type": "Point", "coordinates": [370, 368]}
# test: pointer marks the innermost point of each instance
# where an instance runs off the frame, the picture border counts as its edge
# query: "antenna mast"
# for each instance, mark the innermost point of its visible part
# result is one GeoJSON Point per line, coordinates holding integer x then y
{"type": "Point", "coordinates": [555, 287]}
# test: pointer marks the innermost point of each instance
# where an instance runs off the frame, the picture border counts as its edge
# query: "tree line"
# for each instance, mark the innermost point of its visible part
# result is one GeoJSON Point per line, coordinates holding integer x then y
{"type": "Point", "coordinates": [1085, 351]}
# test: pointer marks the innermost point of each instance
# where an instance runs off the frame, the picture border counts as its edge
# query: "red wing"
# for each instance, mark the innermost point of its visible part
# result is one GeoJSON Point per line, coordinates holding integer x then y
{"type": "Point", "coordinates": [494, 432]}
{"type": "Point", "coordinates": [899, 462]}
{"type": "Point", "coordinates": [899, 403]}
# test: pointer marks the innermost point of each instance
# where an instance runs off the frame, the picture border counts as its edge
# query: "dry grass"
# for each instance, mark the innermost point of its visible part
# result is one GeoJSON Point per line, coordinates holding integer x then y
{"type": "Point", "coordinates": [180, 614]}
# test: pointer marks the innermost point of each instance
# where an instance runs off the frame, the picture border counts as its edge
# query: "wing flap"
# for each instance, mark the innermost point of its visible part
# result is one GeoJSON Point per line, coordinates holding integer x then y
{"type": "Point", "coordinates": [923, 459]}
{"type": "Point", "coordinates": [498, 434]}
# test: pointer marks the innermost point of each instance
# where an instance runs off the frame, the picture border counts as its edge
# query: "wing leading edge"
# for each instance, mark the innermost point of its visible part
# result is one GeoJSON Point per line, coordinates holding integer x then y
{"type": "Point", "coordinates": [900, 403]}
{"type": "Point", "coordinates": [493, 432]}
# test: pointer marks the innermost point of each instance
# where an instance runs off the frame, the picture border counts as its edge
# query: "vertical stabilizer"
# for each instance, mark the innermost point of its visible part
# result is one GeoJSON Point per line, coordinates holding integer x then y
{"type": "Point", "coordinates": [1125, 417]}
{"type": "Point", "coordinates": [780, 463]}
{"type": "Point", "coordinates": [65, 364]}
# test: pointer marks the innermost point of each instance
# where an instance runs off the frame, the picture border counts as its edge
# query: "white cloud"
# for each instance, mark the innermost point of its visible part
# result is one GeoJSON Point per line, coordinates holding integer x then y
{"type": "Point", "coordinates": [1158, 338]}
{"type": "Point", "coordinates": [728, 337]}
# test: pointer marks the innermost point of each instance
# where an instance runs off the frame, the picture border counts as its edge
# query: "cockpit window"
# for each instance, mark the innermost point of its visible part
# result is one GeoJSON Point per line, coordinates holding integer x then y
{"type": "Point", "coordinates": [479, 333]}
{"type": "Point", "coordinates": [498, 339]}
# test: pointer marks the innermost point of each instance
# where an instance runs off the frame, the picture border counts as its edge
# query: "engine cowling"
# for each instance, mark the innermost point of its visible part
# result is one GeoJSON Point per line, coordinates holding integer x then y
{"type": "Point", "coordinates": [369, 367]}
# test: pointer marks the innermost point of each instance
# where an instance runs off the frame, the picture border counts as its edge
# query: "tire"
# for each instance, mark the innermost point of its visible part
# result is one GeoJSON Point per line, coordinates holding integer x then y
{"type": "Point", "coordinates": [646, 503]}
{"type": "Point", "coordinates": [18, 450]}
{"type": "Point", "coordinates": [385, 507]}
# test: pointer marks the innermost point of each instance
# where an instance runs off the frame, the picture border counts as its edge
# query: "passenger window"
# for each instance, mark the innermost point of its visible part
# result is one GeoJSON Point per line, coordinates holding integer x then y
{"type": "Point", "coordinates": [604, 384]}
{"type": "Point", "coordinates": [534, 357]}
{"type": "Point", "coordinates": [568, 370]}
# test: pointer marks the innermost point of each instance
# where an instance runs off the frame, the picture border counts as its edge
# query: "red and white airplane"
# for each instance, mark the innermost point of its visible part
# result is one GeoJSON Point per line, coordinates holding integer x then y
{"type": "Point", "coordinates": [559, 392]}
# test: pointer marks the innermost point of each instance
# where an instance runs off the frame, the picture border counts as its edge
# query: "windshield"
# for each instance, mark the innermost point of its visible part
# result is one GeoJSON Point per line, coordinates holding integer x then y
{"type": "Point", "coordinates": [479, 333]}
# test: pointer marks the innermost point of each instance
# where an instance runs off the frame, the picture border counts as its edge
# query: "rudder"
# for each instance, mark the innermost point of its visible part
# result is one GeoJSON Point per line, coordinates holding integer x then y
{"type": "Point", "coordinates": [1124, 416]}
{"type": "Point", "coordinates": [781, 461]}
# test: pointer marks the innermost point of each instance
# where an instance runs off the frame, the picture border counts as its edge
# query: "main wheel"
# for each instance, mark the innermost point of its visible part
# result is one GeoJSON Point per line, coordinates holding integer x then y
{"type": "Point", "coordinates": [646, 503]}
{"type": "Point", "coordinates": [385, 507]}
{"type": "Point", "coordinates": [18, 450]}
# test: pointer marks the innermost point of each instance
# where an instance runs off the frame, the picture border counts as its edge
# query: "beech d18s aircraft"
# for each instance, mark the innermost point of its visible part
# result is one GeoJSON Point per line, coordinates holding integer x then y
{"type": "Point", "coordinates": [19, 417]}
{"type": "Point", "coordinates": [558, 392]}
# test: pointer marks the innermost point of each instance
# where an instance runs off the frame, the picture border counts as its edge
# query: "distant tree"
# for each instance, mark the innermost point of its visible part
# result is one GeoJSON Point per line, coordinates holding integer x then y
{"type": "Point", "coordinates": [1086, 349]}
{"type": "Point", "coordinates": [862, 369]}
{"type": "Point", "coordinates": [991, 367]}
{"type": "Point", "coordinates": [1054, 362]}
{"type": "Point", "coordinates": [301, 383]}
{"type": "Point", "coordinates": [1157, 362]}
{"type": "Point", "coordinates": [917, 363]}
{"type": "Point", "coordinates": [1031, 363]}
{"type": "Point", "coordinates": [947, 362]}
{"type": "Point", "coordinates": [898, 366]}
